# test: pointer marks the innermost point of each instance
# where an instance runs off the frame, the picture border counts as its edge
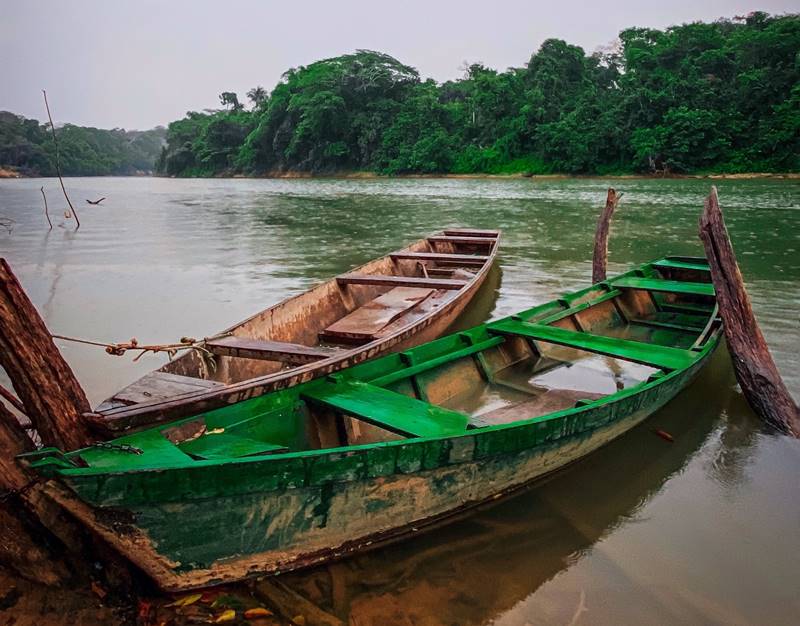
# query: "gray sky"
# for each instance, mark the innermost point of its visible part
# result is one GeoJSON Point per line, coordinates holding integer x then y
{"type": "Point", "coordinates": [138, 64]}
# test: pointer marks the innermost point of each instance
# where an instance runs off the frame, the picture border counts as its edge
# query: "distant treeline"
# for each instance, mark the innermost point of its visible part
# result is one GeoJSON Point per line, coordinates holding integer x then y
{"type": "Point", "coordinates": [27, 146]}
{"type": "Point", "coordinates": [721, 96]}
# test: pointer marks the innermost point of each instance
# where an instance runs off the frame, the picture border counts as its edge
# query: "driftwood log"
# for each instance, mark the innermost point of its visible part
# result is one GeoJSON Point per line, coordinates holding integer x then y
{"type": "Point", "coordinates": [755, 369]}
{"type": "Point", "coordinates": [600, 258]}
{"type": "Point", "coordinates": [44, 382]}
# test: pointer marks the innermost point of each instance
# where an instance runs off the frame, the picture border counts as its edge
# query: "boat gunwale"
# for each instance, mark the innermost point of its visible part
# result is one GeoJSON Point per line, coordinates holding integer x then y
{"type": "Point", "coordinates": [323, 366]}
{"type": "Point", "coordinates": [711, 338]}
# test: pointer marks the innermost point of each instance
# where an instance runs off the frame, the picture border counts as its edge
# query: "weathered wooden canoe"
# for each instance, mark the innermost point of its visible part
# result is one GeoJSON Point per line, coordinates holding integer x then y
{"type": "Point", "coordinates": [388, 447]}
{"type": "Point", "coordinates": [392, 303]}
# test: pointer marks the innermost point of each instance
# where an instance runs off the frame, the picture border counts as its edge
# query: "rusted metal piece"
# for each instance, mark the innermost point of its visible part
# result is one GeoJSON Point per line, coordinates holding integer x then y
{"type": "Point", "coordinates": [755, 369]}
{"type": "Point", "coordinates": [51, 395]}
{"type": "Point", "coordinates": [600, 258]}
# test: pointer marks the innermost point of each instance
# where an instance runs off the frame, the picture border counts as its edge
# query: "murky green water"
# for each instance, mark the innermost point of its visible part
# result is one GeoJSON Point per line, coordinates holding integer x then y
{"type": "Point", "coordinates": [703, 530]}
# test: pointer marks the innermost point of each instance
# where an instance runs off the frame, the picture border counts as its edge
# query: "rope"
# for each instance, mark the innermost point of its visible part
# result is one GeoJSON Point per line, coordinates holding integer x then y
{"type": "Point", "coordinates": [119, 349]}
{"type": "Point", "coordinates": [4, 497]}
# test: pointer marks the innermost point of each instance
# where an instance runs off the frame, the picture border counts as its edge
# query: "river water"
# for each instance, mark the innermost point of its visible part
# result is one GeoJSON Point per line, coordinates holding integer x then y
{"type": "Point", "coordinates": [702, 530]}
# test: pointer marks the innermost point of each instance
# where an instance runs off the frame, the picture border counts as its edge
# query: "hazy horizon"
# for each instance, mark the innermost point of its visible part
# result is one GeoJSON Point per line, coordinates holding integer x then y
{"type": "Point", "coordinates": [145, 65]}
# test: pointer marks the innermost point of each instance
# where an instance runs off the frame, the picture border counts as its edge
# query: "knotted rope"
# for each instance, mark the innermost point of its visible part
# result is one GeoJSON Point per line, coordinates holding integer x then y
{"type": "Point", "coordinates": [172, 349]}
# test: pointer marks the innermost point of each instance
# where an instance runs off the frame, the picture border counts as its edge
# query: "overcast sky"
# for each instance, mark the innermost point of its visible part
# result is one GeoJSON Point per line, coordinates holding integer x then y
{"type": "Point", "coordinates": [120, 63]}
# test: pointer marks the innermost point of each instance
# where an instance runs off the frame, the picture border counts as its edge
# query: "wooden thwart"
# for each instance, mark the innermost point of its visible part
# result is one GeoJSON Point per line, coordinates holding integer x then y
{"type": "Point", "coordinates": [457, 239]}
{"type": "Point", "coordinates": [644, 353]}
{"type": "Point", "coordinates": [471, 232]}
{"type": "Point", "coordinates": [245, 347]}
{"type": "Point", "coordinates": [677, 264]}
{"type": "Point", "coordinates": [160, 385]}
{"type": "Point", "coordinates": [442, 257]}
{"type": "Point", "coordinates": [387, 409]}
{"type": "Point", "coordinates": [366, 321]}
{"type": "Point", "coordinates": [667, 286]}
{"type": "Point", "coordinates": [226, 446]}
{"type": "Point", "coordinates": [399, 281]}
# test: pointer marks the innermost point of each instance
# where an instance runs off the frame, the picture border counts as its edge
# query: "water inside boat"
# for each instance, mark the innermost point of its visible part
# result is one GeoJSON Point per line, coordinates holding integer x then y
{"type": "Point", "coordinates": [569, 353]}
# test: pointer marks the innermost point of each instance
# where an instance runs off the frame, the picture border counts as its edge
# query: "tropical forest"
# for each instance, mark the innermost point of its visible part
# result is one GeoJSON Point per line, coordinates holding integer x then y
{"type": "Point", "coordinates": [697, 98]}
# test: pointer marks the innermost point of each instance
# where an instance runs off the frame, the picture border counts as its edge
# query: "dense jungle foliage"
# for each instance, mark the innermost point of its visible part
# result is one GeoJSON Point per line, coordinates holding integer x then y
{"type": "Point", "coordinates": [721, 96]}
{"type": "Point", "coordinates": [27, 146]}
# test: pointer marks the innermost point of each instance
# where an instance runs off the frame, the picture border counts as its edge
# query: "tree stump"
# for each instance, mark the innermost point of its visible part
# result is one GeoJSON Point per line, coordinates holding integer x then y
{"type": "Point", "coordinates": [600, 258]}
{"type": "Point", "coordinates": [755, 369]}
{"type": "Point", "coordinates": [52, 396]}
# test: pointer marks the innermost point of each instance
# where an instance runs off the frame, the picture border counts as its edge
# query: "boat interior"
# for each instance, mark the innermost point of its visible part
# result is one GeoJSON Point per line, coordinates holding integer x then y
{"type": "Point", "coordinates": [566, 354]}
{"type": "Point", "coordinates": [372, 302]}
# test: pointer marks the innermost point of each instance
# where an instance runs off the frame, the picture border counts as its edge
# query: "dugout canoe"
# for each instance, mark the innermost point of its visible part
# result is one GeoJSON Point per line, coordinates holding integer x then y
{"type": "Point", "coordinates": [389, 447]}
{"type": "Point", "coordinates": [392, 303]}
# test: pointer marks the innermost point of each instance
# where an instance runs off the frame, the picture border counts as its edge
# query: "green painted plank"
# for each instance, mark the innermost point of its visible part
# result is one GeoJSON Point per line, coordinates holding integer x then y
{"type": "Point", "coordinates": [388, 379]}
{"type": "Point", "coordinates": [668, 326]}
{"type": "Point", "coordinates": [681, 265]}
{"type": "Point", "coordinates": [580, 307]}
{"type": "Point", "coordinates": [669, 286]}
{"type": "Point", "coordinates": [389, 410]}
{"type": "Point", "coordinates": [636, 351]}
{"type": "Point", "coordinates": [226, 446]}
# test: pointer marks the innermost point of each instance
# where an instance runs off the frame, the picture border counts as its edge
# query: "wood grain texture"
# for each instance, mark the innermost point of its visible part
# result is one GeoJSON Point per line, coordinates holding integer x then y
{"type": "Point", "coordinates": [50, 392]}
{"type": "Point", "coordinates": [755, 369]}
{"type": "Point", "coordinates": [600, 258]}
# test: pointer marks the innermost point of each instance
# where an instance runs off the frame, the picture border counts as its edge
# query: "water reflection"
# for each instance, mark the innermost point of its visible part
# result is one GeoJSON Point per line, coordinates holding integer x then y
{"type": "Point", "coordinates": [476, 570]}
{"type": "Point", "coordinates": [701, 530]}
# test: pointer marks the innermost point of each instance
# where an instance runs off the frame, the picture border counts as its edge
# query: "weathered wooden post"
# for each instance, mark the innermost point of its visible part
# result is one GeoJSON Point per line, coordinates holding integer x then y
{"type": "Point", "coordinates": [23, 544]}
{"type": "Point", "coordinates": [600, 258]}
{"type": "Point", "coordinates": [755, 369]}
{"type": "Point", "coordinates": [53, 399]}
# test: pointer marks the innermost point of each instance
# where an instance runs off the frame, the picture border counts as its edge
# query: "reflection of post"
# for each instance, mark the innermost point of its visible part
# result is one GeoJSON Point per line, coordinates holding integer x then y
{"type": "Point", "coordinates": [755, 370]}
{"type": "Point", "coordinates": [600, 259]}
{"type": "Point", "coordinates": [52, 396]}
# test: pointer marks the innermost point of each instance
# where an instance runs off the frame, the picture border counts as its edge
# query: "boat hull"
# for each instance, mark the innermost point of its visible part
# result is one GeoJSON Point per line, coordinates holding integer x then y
{"type": "Point", "coordinates": [290, 317]}
{"type": "Point", "coordinates": [199, 527]}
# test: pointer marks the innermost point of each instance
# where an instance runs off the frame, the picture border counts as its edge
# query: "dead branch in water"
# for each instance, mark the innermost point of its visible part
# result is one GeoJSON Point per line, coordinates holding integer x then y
{"type": "Point", "coordinates": [46, 213]}
{"type": "Point", "coordinates": [58, 161]}
{"type": "Point", "coordinates": [755, 369]}
{"type": "Point", "coordinates": [7, 223]}
{"type": "Point", "coordinates": [600, 257]}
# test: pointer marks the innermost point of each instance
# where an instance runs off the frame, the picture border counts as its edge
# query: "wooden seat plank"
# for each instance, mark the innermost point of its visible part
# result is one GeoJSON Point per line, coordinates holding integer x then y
{"type": "Point", "coordinates": [461, 259]}
{"type": "Point", "coordinates": [227, 446]}
{"type": "Point", "coordinates": [371, 318]}
{"type": "Point", "coordinates": [389, 410]}
{"type": "Point", "coordinates": [471, 232]}
{"type": "Point", "coordinates": [668, 286]}
{"type": "Point", "coordinates": [645, 353]}
{"type": "Point", "coordinates": [249, 348]}
{"type": "Point", "coordinates": [161, 385]}
{"type": "Point", "coordinates": [681, 265]}
{"type": "Point", "coordinates": [400, 281]}
{"type": "Point", "coordinates": [457, 239]}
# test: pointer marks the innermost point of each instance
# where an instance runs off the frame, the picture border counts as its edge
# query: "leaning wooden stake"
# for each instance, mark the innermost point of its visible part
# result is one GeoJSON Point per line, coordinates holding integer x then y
{"type": "Point", "coordinates": [45, 384]}
{"type": "Point", "coordinates": [755, 370]}
{"type": "Point", "coordinates": [600, 258]}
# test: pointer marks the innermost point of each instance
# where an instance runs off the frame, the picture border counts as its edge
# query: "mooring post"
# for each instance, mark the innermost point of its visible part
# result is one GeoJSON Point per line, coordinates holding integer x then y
{"type": "Point", "coordinates": [44, 382]}
{"type": "Point", "coordinates": [755, 369]}
{"type": "Point", "coordinates": [600, 258]}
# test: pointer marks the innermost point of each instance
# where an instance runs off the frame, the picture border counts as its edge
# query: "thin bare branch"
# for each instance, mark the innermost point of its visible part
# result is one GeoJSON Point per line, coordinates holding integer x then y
{"type": "Point", "coordinates": [58, 161]}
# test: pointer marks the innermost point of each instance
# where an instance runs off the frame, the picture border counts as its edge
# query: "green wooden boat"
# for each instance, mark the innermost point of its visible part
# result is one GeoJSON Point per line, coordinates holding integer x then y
{"type": "Point", "coordinates": [386, 448]}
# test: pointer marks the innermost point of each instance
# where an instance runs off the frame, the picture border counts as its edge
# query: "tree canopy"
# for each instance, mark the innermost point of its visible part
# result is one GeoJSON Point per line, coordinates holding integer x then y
{"type": "Point", "coordinates": [27, 145]}
{"type": "Point", "coordinates": [721, 96]}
